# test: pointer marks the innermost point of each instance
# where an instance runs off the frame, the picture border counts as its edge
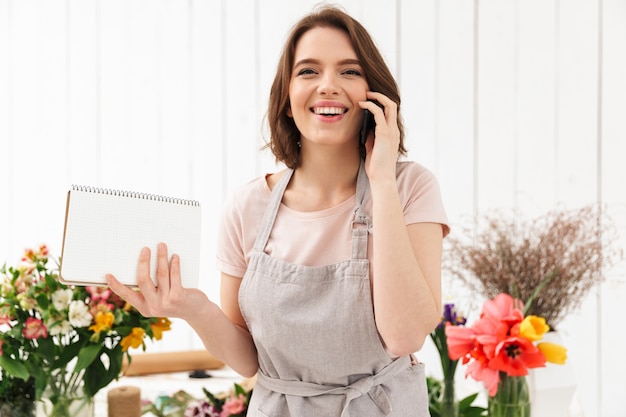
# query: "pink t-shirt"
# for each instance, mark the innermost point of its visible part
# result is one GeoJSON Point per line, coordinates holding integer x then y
{"type": "Point", "coordinates": [315, 238]}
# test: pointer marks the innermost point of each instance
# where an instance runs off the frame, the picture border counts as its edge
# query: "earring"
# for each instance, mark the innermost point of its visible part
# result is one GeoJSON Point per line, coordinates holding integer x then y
{"type": "Point", "coordinates": [299, 144]}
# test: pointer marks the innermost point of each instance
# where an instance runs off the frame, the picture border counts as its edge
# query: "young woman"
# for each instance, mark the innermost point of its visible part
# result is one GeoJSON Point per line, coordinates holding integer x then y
{"type": "Point", "coordinates": [331, 268]}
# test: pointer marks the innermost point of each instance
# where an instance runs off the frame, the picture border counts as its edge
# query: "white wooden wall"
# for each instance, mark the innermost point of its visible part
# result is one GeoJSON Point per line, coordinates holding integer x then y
{"type": "Point", "coordinates": [512, 103]}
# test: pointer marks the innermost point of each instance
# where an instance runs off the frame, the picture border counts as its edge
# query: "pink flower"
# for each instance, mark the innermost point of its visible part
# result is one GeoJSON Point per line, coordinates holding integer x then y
{"type": "Point", "coordinates": [201, 408]}
{"type": "Point", "coordinates": [99, 293]}
{"type": "Point", "coordinates": [233, 406]}
{"type": "Point", "coordinates": [34, 329]}
{"type": "Point", "coordinates": [5, 311]}
{"type": "Point", "coordinates": [461, 341]}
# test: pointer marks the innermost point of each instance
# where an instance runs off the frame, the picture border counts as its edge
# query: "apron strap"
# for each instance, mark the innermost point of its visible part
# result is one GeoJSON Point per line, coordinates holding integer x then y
{"type": "Point", "coordinates": [362, 224]}
{"type": "Point", "coordinates": [370, 385]}
{"type": "Point", "coordinates": [270, 212]}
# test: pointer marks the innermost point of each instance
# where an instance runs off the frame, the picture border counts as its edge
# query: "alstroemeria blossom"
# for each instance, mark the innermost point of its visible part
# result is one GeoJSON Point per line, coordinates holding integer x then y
{"type": "Point", "coordinates": [34, 328]}
{"type": "Point", "coordinates": [103, 322]}
{"type": "Point", "coordinates": [26, 302]}
{"type": "Point", "coordinates": [61, 298]}
{"type": "Point", "coordinates": [161, 325]}
{"type": "Point", "coordinates": [79, 314]}
{"type": "Point", "coordinates": [60, 328]}
{"type": "Point", "coordinates": [134, 339]}
{"type": "Point", "coordinates": [233, 406]}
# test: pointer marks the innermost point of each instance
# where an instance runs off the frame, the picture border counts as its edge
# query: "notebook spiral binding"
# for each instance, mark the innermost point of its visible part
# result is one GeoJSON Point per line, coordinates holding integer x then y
{"type": "Point", "coordinates": [134, 194]}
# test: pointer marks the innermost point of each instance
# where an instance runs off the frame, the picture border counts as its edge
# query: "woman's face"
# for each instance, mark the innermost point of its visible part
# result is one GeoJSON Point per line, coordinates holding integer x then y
{"type": "Point", "coordinates": [326, 85]}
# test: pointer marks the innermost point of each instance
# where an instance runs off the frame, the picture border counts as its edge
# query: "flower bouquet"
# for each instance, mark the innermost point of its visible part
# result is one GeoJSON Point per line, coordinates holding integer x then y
{"type": "Point", "coordinates": [233, 403]}
{"type": "Point", "coordinates": [500, 348]}
{"type": "Point", "coordinates": [70, 340]}
{"type": "Point", "coordinates": [442, 395]}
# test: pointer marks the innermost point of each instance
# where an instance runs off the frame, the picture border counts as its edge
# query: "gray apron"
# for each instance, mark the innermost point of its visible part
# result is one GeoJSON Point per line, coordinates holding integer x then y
{"type": "Point", "coordinates": [318, 347]}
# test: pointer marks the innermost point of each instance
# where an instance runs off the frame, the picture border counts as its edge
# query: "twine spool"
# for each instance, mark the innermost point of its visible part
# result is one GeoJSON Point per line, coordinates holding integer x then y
{"type": "Point", "coordinates": [124, 401]}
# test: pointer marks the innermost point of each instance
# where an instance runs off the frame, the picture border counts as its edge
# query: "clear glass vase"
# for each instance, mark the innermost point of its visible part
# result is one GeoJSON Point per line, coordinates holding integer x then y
{"type": "Point", "coordinates": [449, 404]}
{"type": "Point", "coordinates": [512, 398]}
{"type": "Point", "coordinates": [65, 404]}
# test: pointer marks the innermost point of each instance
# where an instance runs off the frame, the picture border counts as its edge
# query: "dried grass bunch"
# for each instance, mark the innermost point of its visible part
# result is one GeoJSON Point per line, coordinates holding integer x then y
{"type": "Point", "coordinates": [514, 255]}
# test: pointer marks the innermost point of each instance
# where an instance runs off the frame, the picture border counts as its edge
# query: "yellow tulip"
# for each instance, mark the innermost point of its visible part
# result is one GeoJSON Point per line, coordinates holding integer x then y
{"type": "Point", "coordinates": [554, 353]}
{"type": "Point", "coordinates": [533, 328]}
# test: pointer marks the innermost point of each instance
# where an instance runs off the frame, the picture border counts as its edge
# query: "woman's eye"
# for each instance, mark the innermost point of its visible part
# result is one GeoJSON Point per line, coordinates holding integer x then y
{"type": "Point", "coordinates": [306, 71]}
{"type": "Point", "coordinates": [352, 72]}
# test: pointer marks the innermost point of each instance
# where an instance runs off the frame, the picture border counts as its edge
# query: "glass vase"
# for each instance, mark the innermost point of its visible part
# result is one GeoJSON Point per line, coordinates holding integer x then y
{"type": "Point", "coordinates": [449, 405]}
{"type": "Point", "coordinates": [512, 398]}
{"type": "Point", "coordinates": [65, 404]}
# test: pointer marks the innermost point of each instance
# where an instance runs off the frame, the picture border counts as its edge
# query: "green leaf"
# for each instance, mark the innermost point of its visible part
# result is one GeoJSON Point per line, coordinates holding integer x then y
{"type": "Point", "coordinates": [467, 401]}
{"type": "Point", "coordinates": [239, 389]}
{"type": "Point", "coordinates": [92, 377]}
{"type": "Point", "coordinates": [473, 412]}
{"type": "Point", "coordinates": [14, 368]}
{"type": "Point", "coordinates": [86, 356]}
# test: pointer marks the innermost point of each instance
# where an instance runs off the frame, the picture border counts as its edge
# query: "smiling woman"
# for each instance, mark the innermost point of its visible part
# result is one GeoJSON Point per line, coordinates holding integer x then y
{"type": "Point", "coordinates": [332, 241]}
{"type": "Point", "coordinates": [512, 105]}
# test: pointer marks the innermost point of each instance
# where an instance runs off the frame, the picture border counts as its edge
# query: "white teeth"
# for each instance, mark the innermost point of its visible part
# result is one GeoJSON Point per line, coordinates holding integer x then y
{"type": "Point", "coordinates": [328, 110]}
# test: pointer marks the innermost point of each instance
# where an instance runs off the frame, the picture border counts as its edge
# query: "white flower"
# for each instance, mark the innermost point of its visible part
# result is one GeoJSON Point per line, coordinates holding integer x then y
{"type": "Point", "coordinates": [61, 328]}
{"type": "Point", "coordinates": [61, 298]}
{"type": "Point", "coordinates": [79, 314]}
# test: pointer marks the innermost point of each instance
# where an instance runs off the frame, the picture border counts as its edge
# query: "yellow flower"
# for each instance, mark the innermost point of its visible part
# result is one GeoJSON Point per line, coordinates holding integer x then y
{"type": "Point", "coordinates": [162, 324]}
{"type": "Point", "coordinates": [103, 321]}
{"type": "Point", "coordinates": [26, 303]}
{"type": "Point", "coordinates": [533, 328]}
{"type": "Point", "coordinates": [554, 353]}
{"type": "Point", "coordinates": [134, 339]}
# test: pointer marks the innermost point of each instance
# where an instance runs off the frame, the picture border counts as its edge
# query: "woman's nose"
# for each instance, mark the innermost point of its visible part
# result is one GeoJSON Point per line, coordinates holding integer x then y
{"type": "Point", "coordinates": [329, 85]}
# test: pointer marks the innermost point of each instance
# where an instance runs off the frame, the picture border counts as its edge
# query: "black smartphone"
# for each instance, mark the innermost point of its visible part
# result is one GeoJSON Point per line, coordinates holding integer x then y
{"type": "Point", "coordinates": [368, 125]}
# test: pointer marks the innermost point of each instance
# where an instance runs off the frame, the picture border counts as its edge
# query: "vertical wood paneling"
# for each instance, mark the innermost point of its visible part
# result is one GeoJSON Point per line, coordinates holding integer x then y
{"type": "Point", "coordinates": [207, 129]}
{"type": "Point", "coordinates": [174, 56]}
{"type": "Point", "coordinates": [37, 122]}
{"type": "Point", "coordinates": [577, 180]}
{"type": "Point", "coordinates": [534, 190]}
{"type": "Point", "coordinates": [453, 102]}
{"type": "Point", "coordinates": [240, 101]}
{"type": "Point", "coordinates": [577, 118]}
{"type": "Point", "coordinates": [6, 123]}
{"type": "Point", "coordinates": [417, 79]}
{"type": "Point", "coordinates": [144, 27]}
{"type": "Point", "coordinates": [613, 148]}
{"type": "Point", "coordinates": [497, 103]}
{"type": "Point", "coordinates": [83, 137]}
{"type": "Point", "coordinates": [169, 96]}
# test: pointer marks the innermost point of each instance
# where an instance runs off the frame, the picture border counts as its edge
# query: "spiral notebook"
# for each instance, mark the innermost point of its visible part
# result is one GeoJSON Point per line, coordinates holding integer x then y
{"type": "Point", "coordinates": [106, 229]}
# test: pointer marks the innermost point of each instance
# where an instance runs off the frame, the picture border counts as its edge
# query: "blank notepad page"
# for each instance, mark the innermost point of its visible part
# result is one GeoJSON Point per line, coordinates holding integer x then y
{"type": "Point", "coordinates": [106, 229]}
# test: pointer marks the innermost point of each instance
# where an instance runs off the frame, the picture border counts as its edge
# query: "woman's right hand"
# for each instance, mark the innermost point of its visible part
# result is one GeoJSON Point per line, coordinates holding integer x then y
{"type": "Point", "coordinates": [168, 298]}
{"type": "Point", "coordinates": [225, 340]}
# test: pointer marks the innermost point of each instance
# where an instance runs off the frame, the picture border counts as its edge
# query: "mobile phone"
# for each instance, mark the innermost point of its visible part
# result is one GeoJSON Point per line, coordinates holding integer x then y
{"type": "Point", "coordinates": [368, 125]}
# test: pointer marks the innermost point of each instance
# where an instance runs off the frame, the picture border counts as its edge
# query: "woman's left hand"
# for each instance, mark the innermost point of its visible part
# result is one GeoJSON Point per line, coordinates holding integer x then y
{"type": "Point", "coordinates": [382, 145]}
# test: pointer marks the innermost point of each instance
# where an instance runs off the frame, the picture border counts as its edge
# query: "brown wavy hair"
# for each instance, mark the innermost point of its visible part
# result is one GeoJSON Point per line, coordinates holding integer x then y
{"type": "Point", "coordinates": [284, 135]}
